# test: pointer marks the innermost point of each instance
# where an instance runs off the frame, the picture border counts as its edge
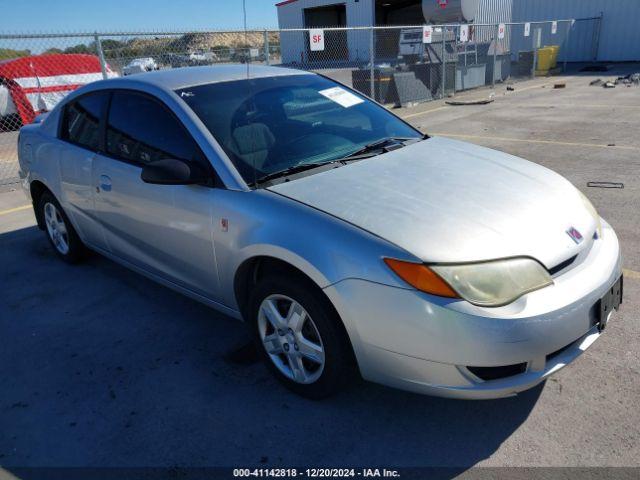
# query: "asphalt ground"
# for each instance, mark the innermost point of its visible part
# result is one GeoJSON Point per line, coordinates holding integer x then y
{"type": "Point", "coordinates": [102, 367]}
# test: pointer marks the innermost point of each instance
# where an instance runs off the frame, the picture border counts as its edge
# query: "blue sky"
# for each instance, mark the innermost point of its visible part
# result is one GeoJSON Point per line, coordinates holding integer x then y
{"type": "Point", "coordinates": [119, 15]}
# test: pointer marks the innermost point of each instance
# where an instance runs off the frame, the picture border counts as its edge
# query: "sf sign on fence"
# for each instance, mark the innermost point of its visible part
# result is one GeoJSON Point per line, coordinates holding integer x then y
{"type": "Point", "coordinates": [464, 33]}
{"type": "Point", "coordinates": [316, 39]}
{"type": "Point", "coordinates": [501, 29]}
{"type": "Point", "coordinates": [427, 34]}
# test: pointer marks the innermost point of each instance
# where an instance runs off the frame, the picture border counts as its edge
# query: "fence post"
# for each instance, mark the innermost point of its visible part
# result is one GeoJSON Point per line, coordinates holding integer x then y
{"type": "Point", "coordinates": [103, 64]}
{"type": "Point", "coordinates": [495, 52]}
{"type": "Point", "coordinates": [372, 58]}
{"type": "Point", "coordinates": [596, 39]}
{"type": "Point", "coordinates": [456, 32]}
{"type": "Point", "coordinates": [566, 46]}
{"type": "Point", "coordinates": [537, 41]}
{"type": "Point", "coordinates": [266, 47]}
{"type": "Point", "coordinates": [443, 61]}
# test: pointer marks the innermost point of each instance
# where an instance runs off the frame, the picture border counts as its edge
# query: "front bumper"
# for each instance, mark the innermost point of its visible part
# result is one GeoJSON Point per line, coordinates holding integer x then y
{"type": "Point", "coordinates": [422, 343]}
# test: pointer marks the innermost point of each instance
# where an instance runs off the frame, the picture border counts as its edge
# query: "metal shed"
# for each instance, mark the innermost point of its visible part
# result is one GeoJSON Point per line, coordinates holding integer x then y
{"type": "Point", "coordinates": [293, 14]}
{"type": "Point", "coordinates": [616, 37]}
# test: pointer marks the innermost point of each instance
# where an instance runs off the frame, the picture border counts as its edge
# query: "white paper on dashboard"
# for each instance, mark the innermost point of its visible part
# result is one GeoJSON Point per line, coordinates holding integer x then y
{"type": "Point", "coordinates": [341, 96]}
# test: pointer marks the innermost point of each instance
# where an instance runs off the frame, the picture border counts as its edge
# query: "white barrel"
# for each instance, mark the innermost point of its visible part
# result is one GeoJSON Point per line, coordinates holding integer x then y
{"type": "Point", "coordinates": [6, 102]}
{"type": "Point", "coordinates": [451, 11]}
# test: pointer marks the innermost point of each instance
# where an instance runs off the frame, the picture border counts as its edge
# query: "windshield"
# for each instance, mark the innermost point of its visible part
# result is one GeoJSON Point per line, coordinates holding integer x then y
{"type": "Point", "coordinates": [268, 125]}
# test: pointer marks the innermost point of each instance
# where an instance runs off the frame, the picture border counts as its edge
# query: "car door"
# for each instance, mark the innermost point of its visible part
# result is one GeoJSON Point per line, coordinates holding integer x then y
{"type": "Point", "coordinates": [163, 229]}
{"type": "Point", "coordinates": [80, 140]}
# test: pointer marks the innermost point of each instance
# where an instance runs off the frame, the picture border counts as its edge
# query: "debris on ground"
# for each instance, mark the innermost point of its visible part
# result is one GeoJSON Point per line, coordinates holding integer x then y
{"type": "Point", "coordinates": [609, 85]}
{"type": "Point", "coordinates": [595, 83]}
{"type": "Point", "coordinates": [605, 184]}
{"type": "Point", "coordinates": [482, 101]}
{"type": "Point", "coordinates": [559, 85]}
{"type": "Point", "coordinates": [631, 79]}
{"type": "Point", "coordinates": [511, 88]}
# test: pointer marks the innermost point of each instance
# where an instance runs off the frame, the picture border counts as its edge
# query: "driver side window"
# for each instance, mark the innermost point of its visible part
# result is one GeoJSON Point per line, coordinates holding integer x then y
{"type": "Point", "coordinates": [142, 130]}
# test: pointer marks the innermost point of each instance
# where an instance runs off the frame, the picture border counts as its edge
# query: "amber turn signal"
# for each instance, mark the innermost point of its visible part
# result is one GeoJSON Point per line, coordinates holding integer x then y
{"type": "Point", "coordinates": [421, 277]}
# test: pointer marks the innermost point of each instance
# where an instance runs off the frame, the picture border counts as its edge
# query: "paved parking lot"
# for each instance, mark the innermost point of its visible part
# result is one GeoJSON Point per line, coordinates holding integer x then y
{"type": "Point", "coordinates": [101, 367]}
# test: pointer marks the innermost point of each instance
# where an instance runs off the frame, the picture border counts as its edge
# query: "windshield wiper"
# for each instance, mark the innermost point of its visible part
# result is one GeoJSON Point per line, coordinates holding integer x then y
{"type": "Point", "coordinates": [364, 152]}
{"type": "Point", "coordinates": [380, 144]}
{"type": "Point", "coordinates": [302, 167]}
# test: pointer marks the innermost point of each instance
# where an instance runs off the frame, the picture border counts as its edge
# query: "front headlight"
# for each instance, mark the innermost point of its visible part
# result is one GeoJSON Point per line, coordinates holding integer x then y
{"type": "Point", "coordinates": [487, 284]}
{"type": "Point", "coordinates": [592, 210]}
{"type": "Point", "coordinates": [494, 283]}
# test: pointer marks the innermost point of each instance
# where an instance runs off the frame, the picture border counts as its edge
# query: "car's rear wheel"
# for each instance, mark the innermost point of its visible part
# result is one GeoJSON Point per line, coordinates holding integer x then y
{"type": "Point", "coordinates": [59, 230]}
{"type": "Point", "coordinates": [299, 336]}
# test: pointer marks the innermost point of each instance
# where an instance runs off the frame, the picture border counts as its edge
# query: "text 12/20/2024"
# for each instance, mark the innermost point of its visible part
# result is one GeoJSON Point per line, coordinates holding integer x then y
{"type": "Point", "coordinates": [316, 473]}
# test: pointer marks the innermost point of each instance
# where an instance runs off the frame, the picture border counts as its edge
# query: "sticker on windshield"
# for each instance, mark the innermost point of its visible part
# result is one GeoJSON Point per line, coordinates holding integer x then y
{"type": "Point", "coordinates": [341, 97]}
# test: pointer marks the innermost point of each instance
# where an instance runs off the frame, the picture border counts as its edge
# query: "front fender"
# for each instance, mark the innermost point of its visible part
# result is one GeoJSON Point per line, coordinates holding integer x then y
{"type": "Point", "coordinates": [292, 257]}
{"type": "Point", "coordinates": [326, 249]}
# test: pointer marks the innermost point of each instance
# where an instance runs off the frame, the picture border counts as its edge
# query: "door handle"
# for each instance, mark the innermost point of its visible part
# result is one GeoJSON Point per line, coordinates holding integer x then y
{"type": "Point", "coordinates": [105, 183]}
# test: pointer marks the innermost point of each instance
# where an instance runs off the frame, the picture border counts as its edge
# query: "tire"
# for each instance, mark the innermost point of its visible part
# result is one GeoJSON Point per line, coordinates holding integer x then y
{"type": "Point", "coordinates": [319, 372]}
{"type": "Point", "coordinates": [59, 230]}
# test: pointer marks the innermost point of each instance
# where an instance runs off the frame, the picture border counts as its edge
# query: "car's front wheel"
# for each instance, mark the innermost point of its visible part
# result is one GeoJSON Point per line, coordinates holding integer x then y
{"type": "Point", "coordinates": [299, 336]}
{"type": "Point", "coordinates": [60, 232]}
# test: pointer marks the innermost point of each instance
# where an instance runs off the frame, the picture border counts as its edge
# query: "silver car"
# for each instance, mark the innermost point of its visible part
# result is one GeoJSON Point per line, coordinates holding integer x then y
{"type": "Point", "coordinates": [350, 241]}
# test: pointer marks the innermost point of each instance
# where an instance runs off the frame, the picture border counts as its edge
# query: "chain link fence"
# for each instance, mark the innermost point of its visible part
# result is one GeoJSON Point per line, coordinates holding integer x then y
{"type": "Point", "coordinates": [397, 66]}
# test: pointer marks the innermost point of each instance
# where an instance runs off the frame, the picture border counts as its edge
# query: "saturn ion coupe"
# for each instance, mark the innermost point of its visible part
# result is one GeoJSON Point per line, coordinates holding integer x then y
{"type": "Point", "coordinates": [348, 240]}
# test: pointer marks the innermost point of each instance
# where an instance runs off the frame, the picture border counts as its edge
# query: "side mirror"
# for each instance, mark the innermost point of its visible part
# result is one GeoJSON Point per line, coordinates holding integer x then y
{"type": "Point", "coordinates": [173, 172]}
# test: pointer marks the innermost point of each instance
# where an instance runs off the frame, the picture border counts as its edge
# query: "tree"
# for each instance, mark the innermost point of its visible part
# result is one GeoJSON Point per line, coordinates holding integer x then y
{"type": "Point", "coordinates": [80, 48]}
{"type": "Point", "coordinates": [9, 53]}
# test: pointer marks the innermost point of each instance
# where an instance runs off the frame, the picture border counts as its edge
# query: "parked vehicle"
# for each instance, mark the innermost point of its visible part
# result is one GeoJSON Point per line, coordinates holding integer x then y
{"type": "Point", "coordinates": [197, 56]}
{"type": "Point", "coordinates": [202, 58]}
{"type": "Point", "coordinates": [175, 60]}
{"type": "Point", "coordinates": [343, 235]}
{"type": "Point", "coordinates": [140, 65]}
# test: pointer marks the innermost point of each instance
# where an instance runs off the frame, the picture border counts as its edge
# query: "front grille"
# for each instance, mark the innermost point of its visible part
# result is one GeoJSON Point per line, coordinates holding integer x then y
{"type": "Point", "coordinates": [495, 373]}
{"type": "Point", "coordinates": [562, 265]}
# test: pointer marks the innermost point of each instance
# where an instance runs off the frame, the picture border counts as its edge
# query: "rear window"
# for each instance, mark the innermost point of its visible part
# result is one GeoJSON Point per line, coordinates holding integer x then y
{"type": "Point", "coordinates": [81, 124]}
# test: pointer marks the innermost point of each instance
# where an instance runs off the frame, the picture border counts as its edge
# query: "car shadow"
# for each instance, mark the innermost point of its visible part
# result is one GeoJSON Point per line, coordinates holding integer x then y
{"type": "Point", "coordinates": [102, 367]}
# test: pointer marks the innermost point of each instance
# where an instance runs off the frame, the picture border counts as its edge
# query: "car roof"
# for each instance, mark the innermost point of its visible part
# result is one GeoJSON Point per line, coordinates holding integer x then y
{"type": "Point", "coordinates": [176, 78]}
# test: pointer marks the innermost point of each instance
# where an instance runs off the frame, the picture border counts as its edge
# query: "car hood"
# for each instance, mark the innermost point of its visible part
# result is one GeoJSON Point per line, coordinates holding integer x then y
{"type": "Point", "coordinates": [448, 201]}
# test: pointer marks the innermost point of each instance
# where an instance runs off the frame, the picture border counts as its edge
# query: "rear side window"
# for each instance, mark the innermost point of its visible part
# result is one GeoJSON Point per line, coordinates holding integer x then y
{"type": "Point", "coordinates": [142, 130]}
{"type": "Point", "coordinates": [81, 124]}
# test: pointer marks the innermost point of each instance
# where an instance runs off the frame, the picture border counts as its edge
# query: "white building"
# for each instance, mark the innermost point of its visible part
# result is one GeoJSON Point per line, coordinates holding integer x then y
{"type": "Point", "coordinates": [616, 37]}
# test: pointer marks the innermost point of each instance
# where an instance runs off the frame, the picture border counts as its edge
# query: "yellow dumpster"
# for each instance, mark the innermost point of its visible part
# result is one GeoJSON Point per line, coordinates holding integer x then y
{"type": "Point", "coordinates": [554, 54]}
{"type": "Point", "coordinates": [543, 66]}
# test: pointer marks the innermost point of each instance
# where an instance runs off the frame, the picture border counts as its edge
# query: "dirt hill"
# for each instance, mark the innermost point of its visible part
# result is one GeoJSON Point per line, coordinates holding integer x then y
{"type": "Point", "coordinates": [195, 42]}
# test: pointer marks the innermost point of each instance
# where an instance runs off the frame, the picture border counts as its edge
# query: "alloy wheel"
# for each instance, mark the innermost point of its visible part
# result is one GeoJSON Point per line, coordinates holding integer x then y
{"type": "Point", "coordinates": [56, 228]}
{"type": "Point", "coordinates": [291, 339]}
